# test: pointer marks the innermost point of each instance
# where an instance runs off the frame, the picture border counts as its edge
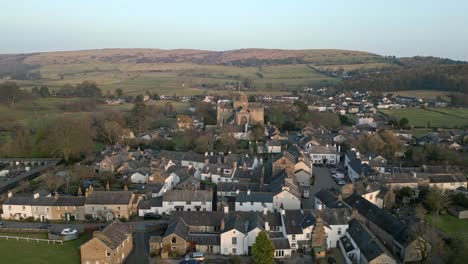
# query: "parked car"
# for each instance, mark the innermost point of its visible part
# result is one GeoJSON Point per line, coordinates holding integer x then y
{"type": "Point", "coordinates": [69, 232]}
{"type": "Point", "coordinates": [331, 260]}
{"type": "Point", "coordinates": [197, 256]}
{"type": "Point", "coordinates": [341, 182]}
{"type": "Point", "coordinates": [149, 216]}
{"type": "Point", "coordinates": [333, 170]}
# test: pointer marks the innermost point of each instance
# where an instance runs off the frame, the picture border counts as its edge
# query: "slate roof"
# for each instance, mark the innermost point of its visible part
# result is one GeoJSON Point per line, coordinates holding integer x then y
{"type": "Point", "coordinates": [148, 204]}
{"type": "Point", "coordinates": [45, 201]}
{"type": "Point", "coordinates": [205, 239]}
{"type": "Point", "coordinates": [114, 234]}
{"type": "Point", "coordinates": [179, 228]}
{"type": "Point", "coordinates": [198, 218]}
{"type": "Point", "coordinates": [274, 219]}
{"type": "Point", "coordinates": [330, 200]}
{"type": "Point", "coordinates": [446, 178]}
{"type": "Point", "coordinates": [281, 243]}
{"type": "Point", "coordinates": [337, 216]}
{"type": "Point", "coordinates": [351, 155]}
{"type": "Point", "coordinates": [347, 245]}
{"type": "Point", "coordinates": [234, 186]}
{"type": "Point", "coordinates": [365, 241]}
{"type": "Point", "coordinates": [188, 195]}
{"type": "Point", "coordinates": [243, 221]}
{"type": "Point", "coordinates": [296, 220]}
{"type": "Point", "coordinates": [109, 197]}
{"type": "Point", "coordinates": [260, 197]}
{"type": "Point", "coordinates": [386, 221]}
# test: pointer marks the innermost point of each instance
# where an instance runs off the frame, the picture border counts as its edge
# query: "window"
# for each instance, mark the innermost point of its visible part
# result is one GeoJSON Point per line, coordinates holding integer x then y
{"type": "Point", "coordinates": [24, 207]}
{"type": "Point", "coordinates": [9, 207]}
{"type": "Point", "coordinates": [203, 203]}
{"type": "Point", "coordinates": [37, 209]}
{"type": "Point", "coordinates": [189, 202]}
{"type": "Point", "coordinates": [234, 251]}
{"type": "Point", "coordinates": [174, 240]}
{"type": "Point", "coordinates": [105, 208]}
{"type": "Point", "coordinates": [58, 208]}
{"type": "Point", "coordinates": [234, 240]}
{"type": "Point", "coordinates": [293, 245]}
{"type": "Point", "coordinates": [308, 236]}
{"type": "Point", "coordinates": [108, 254]}
{"type": "Point", "coordinates": [47, 209]}
{"type": "Point", "coordinates": [339, 230]}
{"type": "Point", "coordinates": [118, 207]}
{"type": "Point", "coordinates": [92, 208]}
{"type": "Point", "coordinates": [171, 203]}
{"type": "Point", "coordinates": [293, 237]}
{"type": "Point", "coordinates": [251, 203]}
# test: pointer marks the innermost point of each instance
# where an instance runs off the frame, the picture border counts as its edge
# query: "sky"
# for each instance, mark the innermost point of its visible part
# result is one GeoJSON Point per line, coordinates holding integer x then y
{"type": "Point", "coordinates": [397, 27]}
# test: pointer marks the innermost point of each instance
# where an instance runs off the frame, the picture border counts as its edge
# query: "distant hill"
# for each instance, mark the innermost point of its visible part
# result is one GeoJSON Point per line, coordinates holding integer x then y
{"type": "Point", "coordinates": [189, 71]}
{"type": "Point", "coordinates": [242, 57]}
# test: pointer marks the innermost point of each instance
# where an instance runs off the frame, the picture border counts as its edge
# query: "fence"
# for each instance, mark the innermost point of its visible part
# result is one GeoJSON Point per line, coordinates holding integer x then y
{"type": "Point", "coordinates": [33, 239]}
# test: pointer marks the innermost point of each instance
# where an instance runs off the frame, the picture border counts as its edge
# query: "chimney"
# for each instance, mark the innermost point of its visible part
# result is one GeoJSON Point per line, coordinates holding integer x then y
{"type": "Point", "coordinates": [283, 212]}
{"type": "Point", "coordinates": [248, 192]}
{"type": "Point", "coordinates": [35, 195]}
{"type": "Point", "coordinates": [226, 209]}
{"type": "Point", "coordinates": [234, 164]}
{"type": "Point", "coordinates": [56, 196]}
{"type": "Point", "coordinates": [265, 211]}
{"type": "Point", "coordinates": [10, 194]}
{"type": "Point", "coordinates": [340, 197]}
{"type": "Point", "coordinates": [207, 161]}
{"type": "Point", "coordinates": [219, 159]}
{"type": "Point", "coordinates": [339, 148]}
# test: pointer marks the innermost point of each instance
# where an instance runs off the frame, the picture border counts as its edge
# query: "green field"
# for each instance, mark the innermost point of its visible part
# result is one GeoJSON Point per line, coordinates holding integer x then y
{"type": "Point", "coordinates": [450, 225]}
{"type": "Point", "coordinates": [432, 117]}
{"type": "Point", "coordinates": [19, 252]}
{"type": "Point", "coordinates": [179, 78]}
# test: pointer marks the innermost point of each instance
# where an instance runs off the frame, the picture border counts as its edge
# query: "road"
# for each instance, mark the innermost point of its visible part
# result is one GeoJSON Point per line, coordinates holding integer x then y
{"type": "Point", "coordinates": [143, 232]}
{"type": "Point", "coordinates": [323, 180]}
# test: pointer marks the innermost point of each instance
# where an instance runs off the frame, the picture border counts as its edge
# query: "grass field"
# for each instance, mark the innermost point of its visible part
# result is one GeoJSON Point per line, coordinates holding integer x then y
{"type": "Point", "coordinates": [179, 78]}
{"type": "Point", "coordinates": [424, 94]}
{"type": "Point", "coordinates": [450, 225]}
{"type": "Point", "coordinates": [20, 252]}
{"type": "Point", "coordinates": [434, 117]}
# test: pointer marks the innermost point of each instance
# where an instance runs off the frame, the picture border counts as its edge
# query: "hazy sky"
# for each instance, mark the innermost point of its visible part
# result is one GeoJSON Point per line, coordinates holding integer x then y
{"type": "Point", "coordinates": [396, 27]}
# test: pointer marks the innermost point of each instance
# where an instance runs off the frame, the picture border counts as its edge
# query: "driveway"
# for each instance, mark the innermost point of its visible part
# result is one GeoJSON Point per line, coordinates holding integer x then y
{"type": "Point", "coordinates": [323, 180]}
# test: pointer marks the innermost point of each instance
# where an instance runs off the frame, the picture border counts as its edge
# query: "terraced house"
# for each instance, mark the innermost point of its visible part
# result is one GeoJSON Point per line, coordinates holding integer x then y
{"type": "Point", "coordinates": [18, 207]}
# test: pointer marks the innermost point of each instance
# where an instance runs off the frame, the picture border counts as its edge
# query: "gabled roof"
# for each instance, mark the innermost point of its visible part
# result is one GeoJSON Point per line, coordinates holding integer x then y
{"type": "Point", "coordinates": [274, 219]}
{"type": "Point", "coordinates": [114, 234]}
{"type": "Point", "coordinates": [365, 240]}
{"type": "Point", "coordinates": [45, 201]}
{"type": "Point", "coordinates": [198, 218]}
{"type": "Point", "coordinates": [109, 197]}
{"type": "Point", "coordinates": [296, 220]}
{"type": "Point", "coordinates": [381, 218]}
{"type": "Point", "coordinates": [243, 222]}
{"type": "Point", "coordinates": [188, 195]}
{"type": "Point", "coordinates": [281, 243]}
{"type": "Point", "coordinates": [330, 199]}
{"type": "Point", "coordinates": [205, 239]}
{"type": "Point", "coordinates": [261, 197]}
{"type": "Point", "coordinates": [179, 228]}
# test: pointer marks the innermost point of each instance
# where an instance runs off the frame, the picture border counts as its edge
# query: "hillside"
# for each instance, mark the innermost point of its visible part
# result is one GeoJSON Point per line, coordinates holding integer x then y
{"type": "Point", "coordinates": [189, 71]}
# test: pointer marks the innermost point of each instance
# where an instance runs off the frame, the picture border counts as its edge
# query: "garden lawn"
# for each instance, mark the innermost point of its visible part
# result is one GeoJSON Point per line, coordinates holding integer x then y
{"type": "Point", "coordinates": [19, 252]}
{"type": "Point", "coordinates": [450, 225]}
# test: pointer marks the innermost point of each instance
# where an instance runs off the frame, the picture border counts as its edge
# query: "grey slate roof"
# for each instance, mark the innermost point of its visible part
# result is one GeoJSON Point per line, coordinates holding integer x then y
{"type": "Point", "coordinates": [389, 223]}
{"type": "Point", "coordinates": [46, 201]}
{"type": "Point", "coordinates": [281, 243]}
{"type": "Point", "coordinates": [364, 240]}
{"type": "Point", "coordinates": [243, 221]}
{"type": "Point", "coordinates": [179, 228]}
{"type": "Point", "coordinates": [205, 239]}
{"type": "Point", "coordinates": [198, 218]}
{"type": "Point", "coordinates": [330, 199]}
{"type": "Point", "coordinates": [337, 216]}
{"type": "Point", "coordinates": [261, 197]}
{"type": "Point", "coordinates": [274, 219]}
{"type": "Point", "coordinates": [347, 245]}
{"type": "Point", "coordinates": [109, 197]}
{"type": "Point", "coordinates": [188, 195]}
{"type": "Point", "coordinates": [114, 234]}
{"type": "Point", "coordinates": [296, 220]}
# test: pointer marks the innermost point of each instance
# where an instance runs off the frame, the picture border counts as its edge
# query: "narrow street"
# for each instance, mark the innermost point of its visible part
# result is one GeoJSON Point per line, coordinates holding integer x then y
{"type": "Point", "coordinates": [323, 179]}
